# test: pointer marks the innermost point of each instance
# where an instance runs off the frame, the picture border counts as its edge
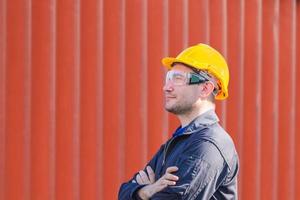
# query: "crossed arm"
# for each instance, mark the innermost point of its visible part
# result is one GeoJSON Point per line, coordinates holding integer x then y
{"type": "Point", "coordinates": [192, 177]}
{"type": "Point", "coordinates": [153, 186]}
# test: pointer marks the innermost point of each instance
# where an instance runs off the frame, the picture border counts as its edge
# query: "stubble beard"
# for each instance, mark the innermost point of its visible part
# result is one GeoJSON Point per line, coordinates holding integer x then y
{"type": "Point", "coordinates": [180, 109]}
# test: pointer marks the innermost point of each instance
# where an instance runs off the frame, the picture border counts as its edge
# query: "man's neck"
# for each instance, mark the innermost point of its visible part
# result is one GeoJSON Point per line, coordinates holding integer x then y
{"type": "Point", "coordinates": [187, 118]}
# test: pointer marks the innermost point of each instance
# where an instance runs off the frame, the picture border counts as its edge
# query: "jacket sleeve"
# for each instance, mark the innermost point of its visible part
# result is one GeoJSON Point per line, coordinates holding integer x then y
{"type": "Point", "coordinates": [128, 189]}
{"type": "Point", "coordinates": [200, 169]}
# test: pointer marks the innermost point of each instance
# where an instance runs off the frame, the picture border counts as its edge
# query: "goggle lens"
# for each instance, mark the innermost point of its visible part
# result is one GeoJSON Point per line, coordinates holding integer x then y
{"type": "Point", "coordinates": [183, 78]}
{"type": "Point", "coordinates": [176, 77]}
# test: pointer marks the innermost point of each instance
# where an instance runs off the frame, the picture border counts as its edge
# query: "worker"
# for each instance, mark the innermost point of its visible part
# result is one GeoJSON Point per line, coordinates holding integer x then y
{"type": "Point", "coordinates": [199, 161]}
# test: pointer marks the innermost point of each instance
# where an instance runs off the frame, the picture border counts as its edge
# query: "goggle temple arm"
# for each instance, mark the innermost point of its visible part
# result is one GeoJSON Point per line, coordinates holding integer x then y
{"type": "Point", "coordinates": [195, 79]}
{"type": "Point", "coordinates": [201, 77]}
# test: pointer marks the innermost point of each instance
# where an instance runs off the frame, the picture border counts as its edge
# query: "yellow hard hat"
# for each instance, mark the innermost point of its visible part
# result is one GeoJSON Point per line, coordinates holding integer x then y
{"type": "Point", "coordinates": [204, 57]}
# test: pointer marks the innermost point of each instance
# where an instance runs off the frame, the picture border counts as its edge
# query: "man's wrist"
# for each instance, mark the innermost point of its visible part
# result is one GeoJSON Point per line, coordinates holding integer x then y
{"type": "Point", "coordinates": [145, 192]}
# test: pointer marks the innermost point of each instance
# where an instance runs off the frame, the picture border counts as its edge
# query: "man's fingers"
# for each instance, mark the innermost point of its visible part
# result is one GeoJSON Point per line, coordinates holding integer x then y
{"type": "Point", "coordinates": [138, 179]}
{"type": "Point", "coordinates": [172, 169]}
{"type": "Point", "coordinates": [167, 182]}
{"type": "Point", "coordinates": [168, 179]}
{"type": "Point", "coordinates": [144, 177]}
{"type": "Point", "coordinates": [171, 177]}
{"type": "Point", "coordinates": [150, 171]}
{"type": "Point", "coordinates": [151, 174]}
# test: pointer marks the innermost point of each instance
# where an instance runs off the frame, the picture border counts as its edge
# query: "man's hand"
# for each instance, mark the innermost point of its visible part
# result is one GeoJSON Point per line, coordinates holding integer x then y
{"type": "Point", "coordinates": [166, 180]}
{"type": "Point", "coordinates": [142, 177]}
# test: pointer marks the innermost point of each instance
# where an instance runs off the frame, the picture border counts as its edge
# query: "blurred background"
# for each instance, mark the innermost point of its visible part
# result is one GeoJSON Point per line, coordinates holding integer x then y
{"type": "Point", "coordinates": [81, 102]}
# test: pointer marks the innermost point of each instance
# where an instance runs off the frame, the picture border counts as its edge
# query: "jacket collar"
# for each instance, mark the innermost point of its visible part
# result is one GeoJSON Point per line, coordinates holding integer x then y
{"type": "Point", "coordinates": [202, 121]}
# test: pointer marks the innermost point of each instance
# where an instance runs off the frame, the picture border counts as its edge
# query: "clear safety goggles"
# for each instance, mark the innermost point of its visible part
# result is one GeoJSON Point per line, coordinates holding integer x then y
{"type": "Point", "coordinates": [185, 78]}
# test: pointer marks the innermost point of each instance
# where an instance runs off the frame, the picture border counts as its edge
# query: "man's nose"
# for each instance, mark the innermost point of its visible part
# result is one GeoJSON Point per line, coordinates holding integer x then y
{"type": "Point", "coordinates": [168, 86]}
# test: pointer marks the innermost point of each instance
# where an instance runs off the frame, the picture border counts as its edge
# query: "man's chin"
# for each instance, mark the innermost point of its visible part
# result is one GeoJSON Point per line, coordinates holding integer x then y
{"type": "Point", "coordinates": [177, 110]}
{"type": "Point", "coordinates": [170, 110]}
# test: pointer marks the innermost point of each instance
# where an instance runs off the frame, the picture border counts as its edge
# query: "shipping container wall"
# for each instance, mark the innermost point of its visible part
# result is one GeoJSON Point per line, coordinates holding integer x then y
{"type": "Point", "coordinates": [81, 101]}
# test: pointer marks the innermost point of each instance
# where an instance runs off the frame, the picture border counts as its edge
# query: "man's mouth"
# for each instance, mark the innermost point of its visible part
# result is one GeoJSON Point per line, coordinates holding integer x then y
{"type": "Point", "coordinates": [170, 97]}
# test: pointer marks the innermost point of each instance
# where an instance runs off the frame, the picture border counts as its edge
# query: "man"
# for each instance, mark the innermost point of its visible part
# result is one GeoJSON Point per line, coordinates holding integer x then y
{"type": "Point", "coordinates": [200, 160]}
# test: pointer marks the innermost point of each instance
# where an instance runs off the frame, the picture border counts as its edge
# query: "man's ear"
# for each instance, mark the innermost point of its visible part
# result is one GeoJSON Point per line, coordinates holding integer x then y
{"type": "Point", "coordinates": [206, 89]}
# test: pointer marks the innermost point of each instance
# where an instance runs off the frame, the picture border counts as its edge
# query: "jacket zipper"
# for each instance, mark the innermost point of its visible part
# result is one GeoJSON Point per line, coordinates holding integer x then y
{"type": "Point", "coordinates": [166, 150]}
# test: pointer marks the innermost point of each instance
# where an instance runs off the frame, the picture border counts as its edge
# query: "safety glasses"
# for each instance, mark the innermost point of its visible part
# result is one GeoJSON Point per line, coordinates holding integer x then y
{"type": "Point", "coordinates": [184, 78]}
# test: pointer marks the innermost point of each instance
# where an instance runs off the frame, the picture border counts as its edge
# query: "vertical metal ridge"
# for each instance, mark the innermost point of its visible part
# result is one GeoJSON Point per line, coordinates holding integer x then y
{"type": "Point", "coordinates": [224, 50]}
{"type": "Point", "coordinates": [276, 98]}
{"type": "Point", "coordinates": [241, 93]}
{"type": "Point", "coordinates": [258, 99]}
{"type": "Point", "coordinates": [27, 100]}
{"type": "Point", "coordinates": [99, 96]}
{"type": "Point", "coordinates": [293, 101]}
{"type": "Point", "coordinates": [52, 106]}
{"type": "Point", "coordinates": [144, 83]}
{"type": "Point", "coordinates": [267, 16]}
{"type": "Point", "coordinates": [165, 123]}
{"type": "Point", "coordinates": [207, 25]}
{"type": "Point", "coordinates": [185, 29]}
{"type": "Point", "coordinates": [3, 40]}
{"type": "Point", "coordinates": [122, 128]}
{"type": "Point", "coordinates": [76, 115]}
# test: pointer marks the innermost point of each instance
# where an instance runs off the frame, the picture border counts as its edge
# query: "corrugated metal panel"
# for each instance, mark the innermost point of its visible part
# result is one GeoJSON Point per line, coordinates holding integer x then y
{"type": "Point", "coordinates": [81, 105]}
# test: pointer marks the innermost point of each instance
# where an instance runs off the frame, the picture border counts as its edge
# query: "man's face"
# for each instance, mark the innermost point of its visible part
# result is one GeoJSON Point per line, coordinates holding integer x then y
{"type": "Point", "coordinates": [180, 99]}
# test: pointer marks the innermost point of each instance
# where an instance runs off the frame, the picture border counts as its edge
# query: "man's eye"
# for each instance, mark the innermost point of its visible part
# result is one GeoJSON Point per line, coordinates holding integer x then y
{"type": "Point", "coordinates": [178, 77]}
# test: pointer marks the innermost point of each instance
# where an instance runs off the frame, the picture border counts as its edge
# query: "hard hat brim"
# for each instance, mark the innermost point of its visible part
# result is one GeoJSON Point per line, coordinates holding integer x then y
{"type": "Point", "coordinates": [168, 62]}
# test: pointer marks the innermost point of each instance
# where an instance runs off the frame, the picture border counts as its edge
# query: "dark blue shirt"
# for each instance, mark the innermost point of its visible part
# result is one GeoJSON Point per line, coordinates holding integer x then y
{"type": "Point", "coordinates": [179, 131]}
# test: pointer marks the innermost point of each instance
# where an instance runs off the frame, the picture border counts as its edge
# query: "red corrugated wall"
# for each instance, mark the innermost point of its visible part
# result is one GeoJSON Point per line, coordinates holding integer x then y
{"type": "Point", "coordinates": [81, 102]}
